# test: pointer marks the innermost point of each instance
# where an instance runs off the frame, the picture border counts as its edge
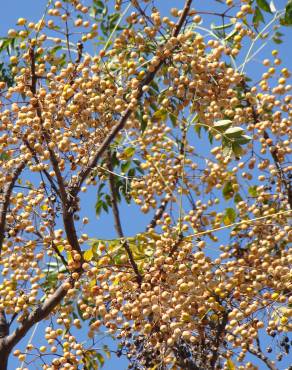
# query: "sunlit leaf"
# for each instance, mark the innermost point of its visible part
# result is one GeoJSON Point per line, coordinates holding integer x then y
{"type": "Point", "coordinates": [252, 191]}
{"type": "Point", "coordinates": [230, 365]}
{"type": "Point", "coordinates": [234, 132]}
{"type": "Point", "coordinates": [88, 255]}
{"type": "Point", "coordinates": [222, 125]}
{"type": "Point", "coordinates": [160, 115]}
{"type": "Point", "coordinates": [229, 216]}
{"type": "Point", "coordinates": [129, 152]}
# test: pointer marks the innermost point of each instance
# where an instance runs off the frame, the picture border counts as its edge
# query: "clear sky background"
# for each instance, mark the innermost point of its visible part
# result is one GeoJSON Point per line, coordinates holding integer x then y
{"type": "Point", "coordinates": [133, 221]}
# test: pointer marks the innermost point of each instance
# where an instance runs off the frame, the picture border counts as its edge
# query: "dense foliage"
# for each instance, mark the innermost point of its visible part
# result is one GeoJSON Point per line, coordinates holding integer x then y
{"type": "Point", "coordinates": [150, 106]}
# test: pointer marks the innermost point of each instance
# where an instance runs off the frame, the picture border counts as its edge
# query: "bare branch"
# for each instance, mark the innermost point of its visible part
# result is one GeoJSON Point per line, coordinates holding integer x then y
{"type": "Point", "coordinates": [117, 220]}
{"type": "Point", "coordinates": [259, 354]}
{"type": "Point", "coordinates": [157, 216]}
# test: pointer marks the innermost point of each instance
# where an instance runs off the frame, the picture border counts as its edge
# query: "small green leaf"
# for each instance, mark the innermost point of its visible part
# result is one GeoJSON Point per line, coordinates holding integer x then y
{"type": "Point", "coordinates": [237, 198]}
{"type": "Point", "coordinates": [231, 35]}
{"type": "Point", "coordinates": [125, 166]}
{"type": "Point", "coordinates": [222, 125]}
{"type": "Point", "coordinates": [227, 149]}
{"type": "Point", "coordinates": [258, 17]}
{"type": "Point", "coordinates": [252, 191]}
{"type": "Point", "coordinates": [173, 119]}
{"type": "Point", "coordinates": [222, 26]}
{"type": "Point", "coordinates": [4, 156]}
{"type": "Point", "coordinates": [234, 132]}
{"type": "Point", "coordinates": [107, 351]}
{"type": "Point", "coordinates": [287, 19]}
{"type": "Point", "coordinates": [237, 150]}
{"type": "Point", "coordinates": [229, 217]}
{"type": "Point", "coordinates": [230, 365]}
{"type": "Point", "coordinates": [160, 115]}
{"type": "Point", "coordinates": [263, 4]}
{"type": "Point", "coordinates": [198, 129]}
{"type": "Point", "coordinates": [100, 359]}
{"type": "Point", "coordinates": [243, 139]}
{"type": "Point", "coordinates": [228, 191]}
{"type": "Point", "coordinates": [129, 152]}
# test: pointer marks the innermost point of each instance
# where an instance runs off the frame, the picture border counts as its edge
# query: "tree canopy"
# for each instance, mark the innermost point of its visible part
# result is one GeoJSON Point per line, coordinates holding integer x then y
{"type": "Point", "coordinates": [165, 110]}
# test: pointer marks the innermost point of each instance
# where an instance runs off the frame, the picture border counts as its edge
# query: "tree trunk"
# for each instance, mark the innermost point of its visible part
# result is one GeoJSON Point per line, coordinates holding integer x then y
{"type": "Point", "coordinates": [4, 354]}
{"type": "Point", "coordinates": [4, 332]}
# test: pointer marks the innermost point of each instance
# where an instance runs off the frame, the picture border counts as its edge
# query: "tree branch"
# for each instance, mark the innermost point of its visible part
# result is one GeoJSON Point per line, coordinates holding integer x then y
{"type": "Point", "coordinates": [117, 220]}
{"type": "Point", "coordinates": [75, 187]}
{"type": "Point", "coordinates": [50, 179]}
{"type": "Point", "coordinates": [157, 216]}
{"type": "Point", "coordinates": [62, 191]}
{"type": "Point", "coordinates": [218, 339]}
{"type": "Point", "coordinates": [259, 354]}
{"type": "Point", "coordinates": [273, 151]}
{"type": "Point", "coordinates": [6, 201]}
{"type": "Point", "coordinates": [39, 314]}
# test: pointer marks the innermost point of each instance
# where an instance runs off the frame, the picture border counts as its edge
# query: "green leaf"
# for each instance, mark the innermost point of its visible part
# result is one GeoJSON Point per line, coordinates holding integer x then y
{"type": "Point", "coordinates": [230, 365]}
{"type": "Point", "coordinates": [230, 35]}
{"type": "Point", "coordinates": [129, 152]}
{"type": "Point", "coordinates": [227, 149]}
{"type": "Point", "coordinates": [258, 17]}
{"type": "Point", "coordinates": [243, 139]}
{"type": "Point", "coordinates": [229, 217]}
{"type": "Point", "coordinates": [287, 19]}
{"type": "Point", "coordinates": [222, 125]}
{"type": "Point", "coordinates": [237, 198]}
{"type": "Point", "coordinates": [234, 132]}
{"type": "Point", "coordinates": [100, 359]}
{"type": "Point", "coordinates": [160, 115]}
{"type": "Point", "coordinates": [173, 119]}
{"type": "Point", "coordinates": [228, 191]}
{"type": "Point", "coordinates": [99, 3]}
{"type": "Point", "coordinates": [98, 207]}
{"type": "Point", "coordinates": [237, 150]}
{"type": "Point", "coordinates": [222, 26]}
{"type": "Point", "coordinates": [263, 4]}
{"type": "Point", "coordinates": [4, 156]}
{"type": "Point", "coordinates": [107, 351]}
{"type": "Point", "coordinates": [198, 129]}
{"type": "Point", "coordinates": [252, 191]}
{"type": "Point", "coordinates": [125, 166]}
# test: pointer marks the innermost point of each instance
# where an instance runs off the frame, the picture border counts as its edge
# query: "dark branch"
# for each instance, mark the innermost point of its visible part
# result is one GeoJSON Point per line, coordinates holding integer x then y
{"type": "Point", "coordinates": [259, 354]}
{"type": "Point", "coordinates": [34, 317]}
{"type": "Point", "coordinates": [6, 201]}
{"type": "Point", "coordinates": [117, 219]}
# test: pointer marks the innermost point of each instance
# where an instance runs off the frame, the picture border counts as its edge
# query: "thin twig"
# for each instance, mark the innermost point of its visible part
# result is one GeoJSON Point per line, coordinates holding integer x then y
{"type": "Point", "coordinates": [117, 220]}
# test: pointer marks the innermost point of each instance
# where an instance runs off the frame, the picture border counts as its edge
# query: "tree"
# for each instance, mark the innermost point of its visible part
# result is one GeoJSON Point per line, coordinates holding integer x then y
{"type": "Point", "coordinates": [161, 113]}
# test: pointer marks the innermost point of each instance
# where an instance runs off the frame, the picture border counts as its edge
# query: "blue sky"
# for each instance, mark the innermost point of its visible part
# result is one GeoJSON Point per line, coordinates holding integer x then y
{"type": "Point", "coordinates": [134, 222]}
